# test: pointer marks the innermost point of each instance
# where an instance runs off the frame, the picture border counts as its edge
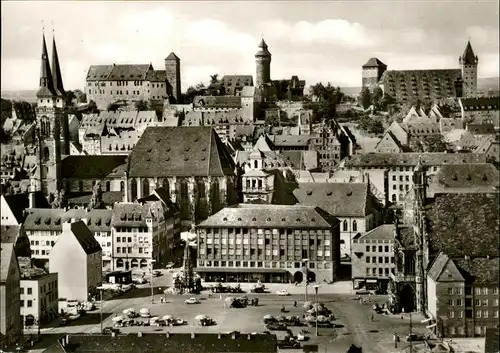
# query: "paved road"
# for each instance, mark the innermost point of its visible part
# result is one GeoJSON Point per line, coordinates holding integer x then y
{"type": "Point", "coordinates": [353, 318]}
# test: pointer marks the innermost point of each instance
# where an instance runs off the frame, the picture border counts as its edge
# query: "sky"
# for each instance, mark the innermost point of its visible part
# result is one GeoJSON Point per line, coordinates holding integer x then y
{"type": "Point", "coordinates": [320, 41]}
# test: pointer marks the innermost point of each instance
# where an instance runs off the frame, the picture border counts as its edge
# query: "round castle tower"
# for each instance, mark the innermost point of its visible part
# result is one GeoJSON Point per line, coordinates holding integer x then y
{"type": "Point", "coordinates": [263, 65]}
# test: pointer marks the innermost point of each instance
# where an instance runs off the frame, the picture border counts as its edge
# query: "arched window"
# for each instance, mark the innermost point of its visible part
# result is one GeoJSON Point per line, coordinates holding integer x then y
{"type": "Point", "coordinates": [119, 263]}
{"type": "Point", "coordinates": [354, 226]}
{"type": "Point", "coordinates": [46, 154]}
{"type": "Point", "coordinates": [145, 187]}
{"type": "Point", "coordinates": [201, 189]}
{"type": "Point", "coordinates": [255, 164]}
{"type": "Point", "coordinates": [122, 185]}
{"type": "Point", "coordinates": [260, 183]}
{"type": "Point", "coordinates": [253, 183]}
{"type": "Point", "coordinates": [344, 226]}
{"type": "Point", "coordinates": [393, 197]}
{"type": "Point", "coordinates": [133, 190]}
{"type": "Point", "coordinates": [248, 183]}
{"type": "Point", "coordinates": [108, 185]}
{"type": "Point", "coordinates": [80, 186]}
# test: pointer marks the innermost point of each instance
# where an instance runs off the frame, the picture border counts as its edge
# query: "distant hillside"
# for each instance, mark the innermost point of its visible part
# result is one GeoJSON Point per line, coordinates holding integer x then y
{"type": "Point", "coordinates": [488, 83]}
{"type": "Point", "coordinates": [24, 95]}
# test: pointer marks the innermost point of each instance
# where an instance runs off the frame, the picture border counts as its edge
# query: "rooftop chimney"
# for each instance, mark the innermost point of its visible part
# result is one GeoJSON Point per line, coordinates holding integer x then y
{"type": "Point", "coordinates": [233, 335]}
{"type": "Point", "coordinates": [139, 334]}
{"type": "Point", "coordinates": [219, 336]}
{"type": "Point", "coordinates": [193, 335]}
{"type": "Point", "coordinates": [113, 334]}
{"type": "Point", "coordinates": [168, 334]}
{"type": "Point", "coordinates": [467, 257]}
{"type": "Point", "coordinates": [249, 336]}
{"type": "Point", "coordinates": [31, 199]}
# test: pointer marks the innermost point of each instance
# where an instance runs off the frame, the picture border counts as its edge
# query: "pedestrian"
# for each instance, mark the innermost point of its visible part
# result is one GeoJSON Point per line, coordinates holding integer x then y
{"type": "Point", "coordinates": [295, 304]}
{"type": "Point", "coordinates": [220, 297]}
{"type": "Point", "coordinates": [372, 317]}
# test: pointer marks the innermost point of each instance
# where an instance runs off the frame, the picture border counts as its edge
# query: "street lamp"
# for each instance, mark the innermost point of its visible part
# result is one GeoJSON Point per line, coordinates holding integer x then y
{"type": "Point", "coordinates": [316, 287]}
{"type": "Point", "coordinates": [100, 304]}
{"type": "Point", "coordinates": [305, 270]}
{"type": "Point", "coordinates": [152, 288]}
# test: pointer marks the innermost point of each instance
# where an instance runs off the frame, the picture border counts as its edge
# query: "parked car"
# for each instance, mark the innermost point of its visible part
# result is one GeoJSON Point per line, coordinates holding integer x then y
{"type": "Point", "coordinates": [276, 327]}
{"type": "Point", "coordinates": [282, 292]}
{"type": "Point", "coordinates": [257, 290]}
{"type": "Point", "coordinates": [109, 330]}
{"type": "Point", "coordinates": [301, 337]}
{"type": "Point", "coordinates": [139, 280]}
{"type": "Point", "coordinates": [156, 273]}
{"type": "Point", "coordinates": [192, 301]}
{"type": "Point", "coordinates": [412, 337]}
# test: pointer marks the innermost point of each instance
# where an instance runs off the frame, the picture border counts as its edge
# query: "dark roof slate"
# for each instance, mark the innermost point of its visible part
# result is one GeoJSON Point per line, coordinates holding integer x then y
{"type": "Point", "coordinates": [374, 62]}
{"type": "Point", "coordinates": [179, 151]}
{"type": "Point", "coordinates": [481, 103]}
{"type": "Point", "coordinates": [19, 202]}
{"type": "Point", "coordinates": [127, 72]}
{"type": "Point", "coordinates": [172, 56]}
{"type": "Point", "coordinates": [85, 237]}
{"type": "Point", "coordinates": [411, 159]}
{"type": "Point", "coordinates": [472, 177]}
{"type": "Point", "coordinates": [464, 224]}
{"type": "Point", "coordinates": [175, 343]}
{"type": "Point", "coordinates": [468, 57]}
{"type": "Point", "coordinates": [272, 216]}
{"type": "Point", "coordinates": [92, 167]}
{"type": "Point", "coordinates": [338, 199]}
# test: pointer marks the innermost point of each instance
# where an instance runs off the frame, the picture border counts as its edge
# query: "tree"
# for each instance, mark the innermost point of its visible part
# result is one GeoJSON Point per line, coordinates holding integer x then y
{"type": "Point", "coordinates": [365, 98]}
{"type": "Point", "coordinates": [327, 99]}
{"type": "Point", "coordinates": [96, 199]}
{"type": "Point", "coordinates": [80, 96]}
{"type": "Point", "coordinates": [93, 107]}
{"type": "Point", "coordinates": [434, 143]}
{"type": "Point", "coordinates": [112, 107]}
{"type": "Point", "coordinates": [214, 78]}
{"type": "Point", "coordinates": [141, 105]}
{"type": "Point", "coordinates": [56, 201]}
{"type": "Point", "coordinates": [377, 96]}
{"type": "Point", "coordinates": [70, 97]}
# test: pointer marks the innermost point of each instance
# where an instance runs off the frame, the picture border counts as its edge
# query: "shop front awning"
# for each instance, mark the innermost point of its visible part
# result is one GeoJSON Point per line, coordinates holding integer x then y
{"type": "Point", "coordinates": [239, 270]}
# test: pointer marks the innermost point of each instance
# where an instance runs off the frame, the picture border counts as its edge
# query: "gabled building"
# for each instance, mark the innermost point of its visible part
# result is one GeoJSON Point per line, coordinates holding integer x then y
{"type": "Point", "coordinates": [352, 203]}
{"type": "Point", "coordinates": [389, 143]}
{"type": "Point", "coordinates": [481, 110]}
{"type": "Point", "coordinates": [11, 328]}
{"type": "Point", "coordinates": [373, 257]}
{"type": "Point", "coordinates": [76, 257]}
{"type": "Point", "coordinates": [190, 163]}
{"type": "Point", "coordinates": [261, 243]}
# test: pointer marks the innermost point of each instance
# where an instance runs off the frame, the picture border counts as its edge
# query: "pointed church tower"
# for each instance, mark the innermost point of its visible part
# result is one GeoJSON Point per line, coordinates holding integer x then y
{"type": "Point", "coordinates": [468, 63]}
{"type": "Point", "coordinates": [57, 77]}
{"type": "Point", "coordinates": [46, 86]}
{"type": "Point", "coordinates": [263, 64]}
{"type": "Point", "coordinates": [51, 122]}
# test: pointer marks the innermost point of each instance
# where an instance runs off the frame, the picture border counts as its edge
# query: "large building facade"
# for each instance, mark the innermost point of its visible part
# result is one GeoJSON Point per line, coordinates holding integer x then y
{"type": "Point", "coordinates": [113, 83]}
{"type": "Point", "coordinates": [269, 243]}
{"type": "Point", "coordinates": [39, 299]}
{"type": "Point", "coordinates": [405, 85]}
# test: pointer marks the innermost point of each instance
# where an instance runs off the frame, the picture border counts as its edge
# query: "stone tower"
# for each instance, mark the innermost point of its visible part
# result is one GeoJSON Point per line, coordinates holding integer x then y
{"type": "Point", "coordinates": [173, 70]}
{"type": "Point", "coordinates": [263, 65]}
{"type": "Point", "coordinates": [51, 124]}
{"type": "Point", "coordinates": [371, 72]}
{"type": "Point", "coordinates": [468, 63]}
{"type": "Point", "coordinates": [419, 231]}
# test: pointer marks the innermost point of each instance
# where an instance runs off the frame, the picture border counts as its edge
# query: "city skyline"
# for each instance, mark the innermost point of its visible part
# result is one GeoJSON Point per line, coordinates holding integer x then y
{"type": "Point", "coordinates": [323, 41]}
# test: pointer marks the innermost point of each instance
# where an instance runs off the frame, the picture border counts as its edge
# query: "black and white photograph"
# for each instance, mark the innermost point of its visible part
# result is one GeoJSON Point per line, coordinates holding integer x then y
{"type": "Point", "coordinates": [250, 176]}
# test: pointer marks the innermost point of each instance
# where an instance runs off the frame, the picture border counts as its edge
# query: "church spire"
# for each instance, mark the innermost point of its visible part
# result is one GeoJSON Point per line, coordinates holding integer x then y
{"type": "Point", "coordinates": [56, 71]}
{"type": "Point", "coordinates": [468, 57]}
{"type": "Point", "coordinates": [46, 88]}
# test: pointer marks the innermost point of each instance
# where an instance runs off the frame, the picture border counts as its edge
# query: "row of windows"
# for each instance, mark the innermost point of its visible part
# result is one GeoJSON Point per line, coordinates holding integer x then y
{"type": "Point", "coordinates": [261, 241]}
{"type": "Point", "coordinates": [42, 243]}
{"type": "Point", "coordinates": [477, 302]}
{"type": "Point", "coordinates": [128, 250]}
{"type": "Point", "coordinates": [125, 83]}
{"type": "Point", "coordinates": [101, 91]}
{"type": "Point", "coordinates": [468, 290]}
{"type": "Point", "coordinates": [267, 231]}
{"type": "Point", "coordinates": [264, 264]}
{"type": "Point", "coordinates": [381, 260]}
{"type": "Point", "coordinates": [260, 252]}
{"type": "Point", "coordinates": [401, 187]}
{"type": "Point", "coordinates": [129, 239]}
{"type": "Point", "coordinates": [380, 271]}
{"type": "Point", "coordinates": [381, 248]}
{"type": "Point", "coordinates": [468, 314]}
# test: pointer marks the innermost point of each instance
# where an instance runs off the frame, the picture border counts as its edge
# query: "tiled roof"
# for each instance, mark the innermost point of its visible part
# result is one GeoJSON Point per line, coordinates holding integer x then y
{"type": "Point", "coordinates": [91, 167]}
{"type": "Point", "coordinates": [217, 102]}
{"type": "Point", "coordinates": [175, 343]}
{"type": "Point", "coordinates": [99, 72]}
{"type": "Point", "coordinates": [389, 134]}
{"type": "Point", "coordinates": [421, 127]}
{"type": "Point", "coordinates": [467, 177]}
{"type": "Point", "coordinates": [200, 118]}
{"type": "Point", "coordinates": [51, 219]}
{"type": "Point", "coordinates": [179, 151]}
{"type": "Point", "coordinates": [438, 266]}
{"type": "Point", "coordinates": [374, 62]}
{"type": "Point", "coordinates": [231, 83]}
{"type": "Point", "coordinates": [289, 140]}
{"type": "Point", "coordinates": [479, 270]}
{"type": "Point", "coordinates": [481, 103]}
{"type": "Point", "coordinates": [382, 232]}
{"type": "Point", "coordinates": [85, 237]}
{"type": "Point", "coordinates": [468, 57]}
{"type": "Point", "coordinates": [156, 76]}
{"type": "Point", "coordinates": [172, 56]}
{"type": "Point", "coordinates": [411, 159]}
{"type": "Point", "coordinates": [481, 128]}
{"type": "Point", "coordinates": [272, 216]}
{"type": "Point", "coordinates": [6, 254]}
{"type": "Point", "coordinates": [338, 199]}
{"type": "Point", "coordinates": [464, 224]}
{"type": "Point", "coordinates": [130, 215]}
